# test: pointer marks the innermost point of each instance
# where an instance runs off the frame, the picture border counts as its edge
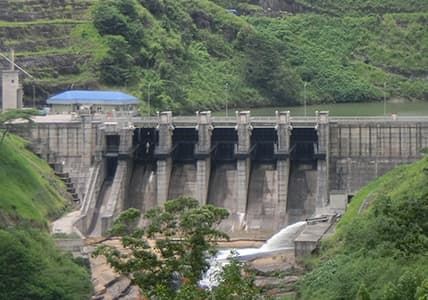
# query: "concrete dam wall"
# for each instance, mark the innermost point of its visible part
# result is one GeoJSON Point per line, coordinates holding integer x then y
{"type": "Point", "coordinates": [268, 172]}
{"type": "Point", "coordinates": [363, 150]}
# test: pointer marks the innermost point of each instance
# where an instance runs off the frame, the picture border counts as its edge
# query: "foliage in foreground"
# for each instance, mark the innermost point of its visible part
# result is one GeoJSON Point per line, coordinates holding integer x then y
{"type": "Point", "coordinates": [32, 268]}
{"type": "Point", "coordinates": [168, 257]}
{"type": "Point", "coordinates": [379, 251]}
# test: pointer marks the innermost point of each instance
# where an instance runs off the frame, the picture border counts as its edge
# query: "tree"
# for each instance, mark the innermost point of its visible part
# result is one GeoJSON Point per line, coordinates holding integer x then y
{"type": "Point", "coordinates": [116, 67]}
{"type": "Point", "coordinates": [405, 288]}
{"type": "Point", "coordinates": [422, 291]}
{"type": "Point", "coordinates": [362, 293]}
{"type": "Point", "coordinates": [7, 117]}
{"type": "Point", "coordinates": [108, 20]}
{"type": "Point", "coordinates": [182, 233]}
{"type": "Point", "coordinates": [236, 282]}
{"type": "Point", "coordinates": [266, 70]}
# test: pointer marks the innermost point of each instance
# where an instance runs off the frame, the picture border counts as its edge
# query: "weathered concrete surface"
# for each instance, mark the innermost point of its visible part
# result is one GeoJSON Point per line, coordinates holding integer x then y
{"type": "Point", "coordinates": [73, 245]}
{"type": "Point", "coordinates": [262, 199]}
{"type": "Point", "coordinates": [349, 153]}
{"type": "Point", "coordinates": [65, 224]}
{"type": "Point", "coordinates": [183, 181]}
{"type": "Point", "coordinates": [142, 189]}
{"type": "Point", "coordinates": [362, 150]}
{"type": "Point", "coordinates": [308, 240]}
{"type": "Point", "coordinates": [163, 174]}
{"type": "Point", "coordinates": [116, 198]}
{"type": "Point", "coordinates": [302, 187]}
{"type": "Point", "coordinates": [203, 171]}
{"type": "Point", "coordinates": [91, 195]}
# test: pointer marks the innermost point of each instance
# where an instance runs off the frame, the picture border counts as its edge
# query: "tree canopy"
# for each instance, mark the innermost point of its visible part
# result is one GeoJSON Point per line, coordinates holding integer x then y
{"type": "Point", "coordinates": [172, 247]}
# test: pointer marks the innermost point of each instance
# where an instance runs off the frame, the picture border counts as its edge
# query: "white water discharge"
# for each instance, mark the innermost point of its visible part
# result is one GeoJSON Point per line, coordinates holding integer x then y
{"type": "Point", "coordinates": [283, 240]}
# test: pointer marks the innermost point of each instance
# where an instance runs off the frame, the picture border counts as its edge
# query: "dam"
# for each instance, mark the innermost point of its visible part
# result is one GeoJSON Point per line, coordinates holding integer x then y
{"type": "Point", "coordinates": [267, 171]}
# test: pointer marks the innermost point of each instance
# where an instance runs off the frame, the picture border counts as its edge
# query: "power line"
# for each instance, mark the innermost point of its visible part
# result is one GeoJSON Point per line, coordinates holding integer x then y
{"type": "Point", "coordinates": [15, 65]}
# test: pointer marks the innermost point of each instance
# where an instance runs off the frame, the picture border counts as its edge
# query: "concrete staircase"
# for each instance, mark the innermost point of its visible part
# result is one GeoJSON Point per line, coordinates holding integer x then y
{"type": "Point", "coordinates": [65, 177]}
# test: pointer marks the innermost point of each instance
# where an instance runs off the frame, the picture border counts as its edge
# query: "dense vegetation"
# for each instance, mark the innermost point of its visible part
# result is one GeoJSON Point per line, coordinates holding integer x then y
{"type": "Point", "coordinates": [30, 265]}
{"type": "Point", "coordinates": [184, 234]}
{"type": "Point", "coordinates": [354, 59]}
{"type": "Point", "coordinates": [380, 246]}
{"type": "Point", "coordinates": [192, 55]}
{"type": "Point", "coordinates": [27, 186]}
{"type": "Point", "coordinates": [32, 268]}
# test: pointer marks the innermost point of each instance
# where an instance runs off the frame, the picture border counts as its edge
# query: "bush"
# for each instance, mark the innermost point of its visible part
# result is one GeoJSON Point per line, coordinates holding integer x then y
{"type": "Point", "coordinates": [32, 268]}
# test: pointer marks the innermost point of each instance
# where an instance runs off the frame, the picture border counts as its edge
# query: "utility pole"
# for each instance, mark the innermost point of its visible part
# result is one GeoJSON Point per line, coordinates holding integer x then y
{"type": "Point", "coordinates": [15, 65]}
{"type": "Point", "coordinates": [384, 98]}
{"type": "Point", "coordinates": [304, 97]}
{"type": "Point", "coordinates": [12, 91]}
{"type": "Point", "coordinates": [148, 97]}
{"type": "Point", "coordinates": [226, 87]}
{"type": "Point", "coordinates": [34, 95]}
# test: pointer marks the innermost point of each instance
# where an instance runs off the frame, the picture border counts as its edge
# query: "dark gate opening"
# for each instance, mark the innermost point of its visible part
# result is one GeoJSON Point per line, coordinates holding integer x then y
{"type": "Point", "coordinates": [112, 143]}
{"type": "Point", "coordinates": [184, 140]}
{"type": "Point", "coordinates": [223, 141]}
{"type": "Point", "coordinates": [144, 141]}
{"type": "Point", "coordinates": [304, 141]}
{"type": "Point", "coordinates": [263, 141]}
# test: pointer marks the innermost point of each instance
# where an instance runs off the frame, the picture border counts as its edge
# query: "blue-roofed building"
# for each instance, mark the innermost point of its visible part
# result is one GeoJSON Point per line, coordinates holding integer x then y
{"type": "Point", "coordinates": [96, 101]}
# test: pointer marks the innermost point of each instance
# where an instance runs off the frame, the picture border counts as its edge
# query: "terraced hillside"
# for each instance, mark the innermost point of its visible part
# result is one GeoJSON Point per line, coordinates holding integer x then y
{"type": "Point", "coordinates": [188, 55]}
{"type": "Point", "coordinates": [40, 32]}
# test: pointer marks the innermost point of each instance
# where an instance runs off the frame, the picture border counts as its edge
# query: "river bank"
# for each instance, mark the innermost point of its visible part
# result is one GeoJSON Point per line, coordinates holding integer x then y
{"type": "Point", "coordinates": [275, 274]}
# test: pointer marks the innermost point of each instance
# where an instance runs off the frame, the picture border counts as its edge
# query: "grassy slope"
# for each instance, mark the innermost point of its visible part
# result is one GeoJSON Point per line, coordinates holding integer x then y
{"type": "Point", "coordinates": [30, 265]}
{"type": "Point", "coordinates": [28, 187]}
{"type": "Point", "coordinates": [375, 246]}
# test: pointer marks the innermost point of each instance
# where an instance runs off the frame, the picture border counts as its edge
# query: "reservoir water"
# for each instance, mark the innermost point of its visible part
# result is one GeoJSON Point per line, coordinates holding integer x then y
{"type": "Point", "coordinates": [345, 109]}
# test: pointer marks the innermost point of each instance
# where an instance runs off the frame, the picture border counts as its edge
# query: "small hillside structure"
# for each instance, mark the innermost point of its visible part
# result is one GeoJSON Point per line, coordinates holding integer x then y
{"type": "Point", "coordinates": [95, 101]}
{"type": "Point", "coordinates": [11, 89]}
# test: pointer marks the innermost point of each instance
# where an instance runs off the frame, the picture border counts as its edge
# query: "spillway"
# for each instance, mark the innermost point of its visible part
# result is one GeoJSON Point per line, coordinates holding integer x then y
{"type": "Point", "coordinates": [142, 189]}
{"type": "Point", "coordinates": [302, 189]}
{"type": "Point", "coordinates": [222, 191]}
{"type": "Point", "coordinates": [95, 225]}
{"type": "Point", "coordinates": [182, 181]}
{"type": "Point", "coordinates": [262, 197]}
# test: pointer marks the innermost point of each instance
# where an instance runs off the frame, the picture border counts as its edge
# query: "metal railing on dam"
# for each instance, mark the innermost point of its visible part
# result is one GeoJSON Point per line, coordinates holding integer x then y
{"type": "Point", "coordinates": [272, 120]}
{"type": "Point", "coordinates": [190, 121]}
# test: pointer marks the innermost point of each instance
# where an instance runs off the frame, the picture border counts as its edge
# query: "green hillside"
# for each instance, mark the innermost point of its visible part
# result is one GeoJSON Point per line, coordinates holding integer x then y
{"type": "Point", "coordinates": [191, 55]}
{"type": "Point", "coordinates": [380, 246]}
{"type": "Point", "coordinates": [29, 191]}
{"type": "Point", "coordinates": [364, 7]}
{"type": "Point", "coordinates": [30, 265]}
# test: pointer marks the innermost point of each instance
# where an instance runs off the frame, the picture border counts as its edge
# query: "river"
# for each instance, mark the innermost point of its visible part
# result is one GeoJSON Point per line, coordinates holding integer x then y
{"type": "Point", "coordinates": [279, 242]}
